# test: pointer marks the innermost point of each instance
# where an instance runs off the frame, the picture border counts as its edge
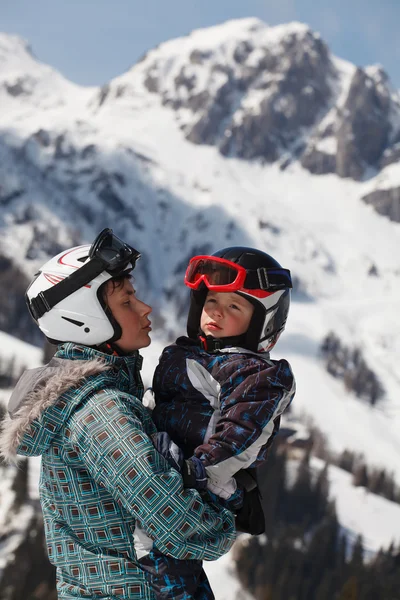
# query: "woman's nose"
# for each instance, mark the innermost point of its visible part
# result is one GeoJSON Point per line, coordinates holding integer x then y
{"type": "Point", "coordinates": [145, 309]}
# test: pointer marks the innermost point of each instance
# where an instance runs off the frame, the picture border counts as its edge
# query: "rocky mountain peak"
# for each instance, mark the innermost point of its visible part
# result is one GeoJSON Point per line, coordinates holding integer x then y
{"type": "Point", "coordinates": [272, 94]}
{"type": "Point", "coordinates": [14, 50]}
{"type": "Point", "coordinates": [16, 62]}
{"type": "Point", "coordinates": [245, 87]}
{"type": "Point", "coordinates": [25, 81]}
{"type": "Point", "coordinates": [360, 129]}
{"type": "Point", "coordinates": [364, 125]}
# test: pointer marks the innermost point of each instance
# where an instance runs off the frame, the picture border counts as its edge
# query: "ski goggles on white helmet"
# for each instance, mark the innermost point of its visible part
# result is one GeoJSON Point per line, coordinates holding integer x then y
{"type": "Point", "coordinates": [222, 275]}
{"type": "Point", "coordinates": [107, 253]}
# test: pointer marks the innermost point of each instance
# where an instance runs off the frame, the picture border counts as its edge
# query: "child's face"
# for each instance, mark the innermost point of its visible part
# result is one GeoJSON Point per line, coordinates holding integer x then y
{"type": "Point", "coordinates": [225, 314]}
{"type": "Point", "coordinates": [131, 314]}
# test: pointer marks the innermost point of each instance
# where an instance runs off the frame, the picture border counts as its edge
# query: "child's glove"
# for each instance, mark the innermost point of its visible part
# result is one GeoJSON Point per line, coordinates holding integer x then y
{"type": "Point", "coordinates": [194, 474]}
{"type": "Point", "coordinates": [192, 470]}
{"type": "Point", "coordinates": [223, 490]}
{"type": "Point", "coordinates": [148, 399]}
{"type": "Point", "coordinates": [170, 451]}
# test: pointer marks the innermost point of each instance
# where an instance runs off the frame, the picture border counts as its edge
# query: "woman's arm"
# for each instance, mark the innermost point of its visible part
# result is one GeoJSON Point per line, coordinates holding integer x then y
{"type": "Point", "coordinates": [121, 457]}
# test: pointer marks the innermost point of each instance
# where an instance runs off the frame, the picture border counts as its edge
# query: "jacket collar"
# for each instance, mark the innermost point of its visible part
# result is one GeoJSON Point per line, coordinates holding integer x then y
{"type": "Point", "coordinates": [38, 398]}
{"type": "Point", "coordinates": [124, 370]}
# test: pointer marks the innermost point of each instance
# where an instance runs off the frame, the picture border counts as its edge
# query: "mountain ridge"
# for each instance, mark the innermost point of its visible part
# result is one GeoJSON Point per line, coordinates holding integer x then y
{"type": "Point", "coordinates": [117, 156]}
{"type": "Point", "coordinates": [253, 90]}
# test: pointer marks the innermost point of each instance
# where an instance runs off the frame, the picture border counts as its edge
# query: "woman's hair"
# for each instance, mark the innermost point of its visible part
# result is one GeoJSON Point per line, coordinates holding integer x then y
{"type": "Point", "coordinates": [115, 282]}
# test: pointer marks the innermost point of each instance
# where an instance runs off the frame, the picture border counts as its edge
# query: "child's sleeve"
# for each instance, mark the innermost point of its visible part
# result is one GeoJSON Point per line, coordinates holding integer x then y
{"type": "Point", "coordinates": [111, 441]}
{"type": "Point", "coordinates": [253, 395]}
{"type": "Point", "coordinates": [167, 386]}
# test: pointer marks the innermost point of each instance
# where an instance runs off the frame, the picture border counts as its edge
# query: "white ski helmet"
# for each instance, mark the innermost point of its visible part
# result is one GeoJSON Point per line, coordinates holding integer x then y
{"type": "Point", "coordinates": [65, 299]}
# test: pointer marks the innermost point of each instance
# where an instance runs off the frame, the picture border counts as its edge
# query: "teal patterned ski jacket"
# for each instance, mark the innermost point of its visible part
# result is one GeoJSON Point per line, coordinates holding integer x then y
{"type": "Point", "coordinates": [108, 498]}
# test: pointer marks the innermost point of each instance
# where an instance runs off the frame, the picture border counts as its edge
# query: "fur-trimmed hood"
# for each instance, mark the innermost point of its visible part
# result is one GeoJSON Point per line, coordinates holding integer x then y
{"type": "Point", "coordinates": [45, 397]}
{"type": "Point", "coordinates": [36, 391]}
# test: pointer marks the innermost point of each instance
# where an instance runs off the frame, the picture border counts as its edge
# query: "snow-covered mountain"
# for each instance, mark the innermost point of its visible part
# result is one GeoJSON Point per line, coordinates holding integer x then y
{"type": "Point", "coordinates": [237, 134]}
{"type": "Point", "coordinates": [274, 93]}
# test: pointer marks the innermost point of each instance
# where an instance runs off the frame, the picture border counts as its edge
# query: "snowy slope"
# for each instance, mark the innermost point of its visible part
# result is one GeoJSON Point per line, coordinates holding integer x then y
{"type": "Point", "coordinates": [14, 523]}
{"type": "Point", "coordinates": [362, 513]}
{"type": "Point", "coordinates": [223, 581]}
{"type": "Point", "coordinates": [25, 354]}
{"type": "Point", "coordinates": [19, 356]}
{"type": "Point", "coordinates": [183, 198]}
{"type": "Point", "coordinates": [321, 229]}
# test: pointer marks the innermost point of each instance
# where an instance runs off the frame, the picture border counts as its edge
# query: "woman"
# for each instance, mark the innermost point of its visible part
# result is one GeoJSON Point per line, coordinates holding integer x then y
{"type": "Point", "coordinates": [109, 500]}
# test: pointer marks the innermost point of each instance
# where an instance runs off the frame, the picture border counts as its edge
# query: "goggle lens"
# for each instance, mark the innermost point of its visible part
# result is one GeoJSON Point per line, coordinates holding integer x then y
{"type": "Point", "coordinates": [216, 273]}
{"type": "Point", "coordinates": [112, 251]}
{"type": "Point", "coordinates": [212, 272]}
{"type": "Point", "coordinates": [222, 275]}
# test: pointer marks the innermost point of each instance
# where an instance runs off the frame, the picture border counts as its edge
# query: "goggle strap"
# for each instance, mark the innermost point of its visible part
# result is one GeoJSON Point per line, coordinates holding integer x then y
{"type": "Point", "coordinates": [263, 279]}
{"type": "Point", "coordinates": [268, 279]}
{"type": "Point", "coordinates": [46, 300]}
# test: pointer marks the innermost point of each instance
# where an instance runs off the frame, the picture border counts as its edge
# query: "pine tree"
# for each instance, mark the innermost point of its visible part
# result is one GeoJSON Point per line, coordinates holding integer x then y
{"type": "Point", "coordinates": [280, 589]}
{"type": "Point", "coordinates": [300, 499]}
{"type": "Point", "coordinates": [357, 557]}
{"type": "Point", "coordinates": [326, 588]}
{"type": "Point", "coordinates": [341, 564]}
{"type": "Point", "coordinates": [322, 493]}
{"type": "Point", "coordinates": [350, 590]}
{"type": "Point", "coordinates": [346, 461]}
{"type": "Point", "coordinates": [322, 551]}
{"type": "Point", "coordinates": [272, 478]}
{"type": "Point", "coordinates": [263, 593]}
{"type": "Point", "coordinates": [389, 488]}
{"type": "Point", "coordinates": [377, 481]}
{"type": "Point", "coordinates": [360, 476]}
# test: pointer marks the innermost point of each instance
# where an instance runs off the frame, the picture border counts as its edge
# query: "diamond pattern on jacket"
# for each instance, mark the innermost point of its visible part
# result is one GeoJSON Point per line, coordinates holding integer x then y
{"type": "Point", "coordinates": [100, 477]}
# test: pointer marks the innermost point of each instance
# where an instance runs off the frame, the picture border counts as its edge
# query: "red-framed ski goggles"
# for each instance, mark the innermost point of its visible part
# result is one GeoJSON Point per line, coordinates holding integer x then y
{"type": "Point", "coordinates": [221, 275]}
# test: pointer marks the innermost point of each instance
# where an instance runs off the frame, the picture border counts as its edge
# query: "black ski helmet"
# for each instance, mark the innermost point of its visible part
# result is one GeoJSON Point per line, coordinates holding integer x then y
{"type": "Point", "coordinates": [267, 287]}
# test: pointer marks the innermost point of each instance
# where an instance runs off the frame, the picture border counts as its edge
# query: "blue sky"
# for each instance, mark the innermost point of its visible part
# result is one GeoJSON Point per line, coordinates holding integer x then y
{"type": "Point", "coordinates": [92, 41]}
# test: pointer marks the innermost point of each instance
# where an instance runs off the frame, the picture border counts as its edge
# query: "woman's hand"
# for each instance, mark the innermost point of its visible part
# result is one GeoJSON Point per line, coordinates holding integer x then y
{"type": "Point", "coordinates": [192, 469]}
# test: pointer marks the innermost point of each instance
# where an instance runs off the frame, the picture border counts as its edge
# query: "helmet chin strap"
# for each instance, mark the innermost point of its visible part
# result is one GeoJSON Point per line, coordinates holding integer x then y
{"type": "Point", "coordinates": [112, 349]}
{"type": "Point", "coordinates": [109, 348]}
{"type": "Point", "coordinates": [115, 350]}
{"type": "Point", "coordinates": [212, 344]}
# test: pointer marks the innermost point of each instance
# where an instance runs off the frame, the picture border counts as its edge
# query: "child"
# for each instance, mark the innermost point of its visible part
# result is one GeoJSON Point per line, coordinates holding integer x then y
{"type": "Point", "coordinates": [111, 503]}
{"type": "Point", "coordinates": [218, 394]}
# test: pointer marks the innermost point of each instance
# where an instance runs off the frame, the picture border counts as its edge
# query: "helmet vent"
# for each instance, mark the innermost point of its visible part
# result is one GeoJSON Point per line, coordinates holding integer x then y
{"type": "Point", "coordinates": [73, 321]}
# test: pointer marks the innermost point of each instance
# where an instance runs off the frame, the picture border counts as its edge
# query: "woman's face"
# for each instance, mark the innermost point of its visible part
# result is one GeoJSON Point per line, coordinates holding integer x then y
{"type": "Point", "coordinates": [225, 314]}
{"type": "Point", "coordinates": [131, 314]}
